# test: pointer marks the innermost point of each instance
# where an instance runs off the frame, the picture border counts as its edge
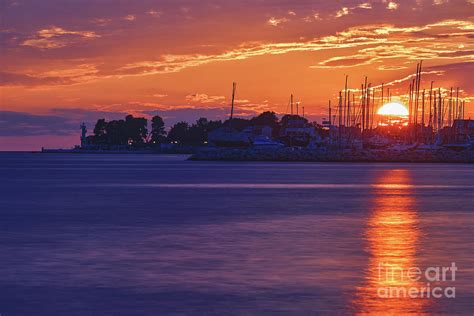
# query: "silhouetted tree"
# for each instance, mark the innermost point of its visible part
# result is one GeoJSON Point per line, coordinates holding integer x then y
{"type": "Point", "coordinates": [178, 133]}
{"type": "Point", "coordinates": [99, 131]}
{"type": "Point", "coordinates": [212, 125]}
{"type": "Point", "coordinates": [197, 133]}
{"type": "Point", "coordinates": [116, 133]}
{"type": "Point", "coordinates": [136, 129]}
{"type": "Point", "coordinates": [294, 118]}
{"type": "Point", "coordinates": [132, 131]}
{"type": "Point", "coordinates": [158, 133]}
{"type": "Point", "coordinates": [266, 118]}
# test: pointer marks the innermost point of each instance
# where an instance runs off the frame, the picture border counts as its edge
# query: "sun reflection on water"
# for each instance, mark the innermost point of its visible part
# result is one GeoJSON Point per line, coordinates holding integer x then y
{"type": "Point", "coordinates": [392, 236]}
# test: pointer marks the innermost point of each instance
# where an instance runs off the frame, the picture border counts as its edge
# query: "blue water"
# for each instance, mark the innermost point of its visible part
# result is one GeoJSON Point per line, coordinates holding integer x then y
{"type": "Point", "coordinates": [154, 235]}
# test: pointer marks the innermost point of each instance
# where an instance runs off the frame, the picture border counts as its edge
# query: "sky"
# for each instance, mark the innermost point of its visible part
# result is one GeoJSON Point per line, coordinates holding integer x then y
{"type": "Point", "coordinates": [64, 62]}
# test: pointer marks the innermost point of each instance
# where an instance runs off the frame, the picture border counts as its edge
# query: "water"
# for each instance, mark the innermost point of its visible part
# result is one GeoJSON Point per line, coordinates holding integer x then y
{"type": "Point", "coordinates": [143, 234]}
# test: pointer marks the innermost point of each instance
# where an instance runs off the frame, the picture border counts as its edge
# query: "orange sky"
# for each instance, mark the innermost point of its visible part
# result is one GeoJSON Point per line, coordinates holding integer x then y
{"type": "Point", "coordinates": [64, 62]}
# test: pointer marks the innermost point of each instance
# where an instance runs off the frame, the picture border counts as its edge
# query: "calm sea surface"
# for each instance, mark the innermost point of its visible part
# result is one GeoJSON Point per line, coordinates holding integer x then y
{"type": "Point", "coordinates": [144, 234]}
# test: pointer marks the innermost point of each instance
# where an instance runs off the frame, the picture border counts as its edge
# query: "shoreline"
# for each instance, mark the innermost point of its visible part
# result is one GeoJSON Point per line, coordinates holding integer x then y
{"type": "Point", "coordinates": [183, 151]}
{"type": "Point", "coordinates": [292, 155]}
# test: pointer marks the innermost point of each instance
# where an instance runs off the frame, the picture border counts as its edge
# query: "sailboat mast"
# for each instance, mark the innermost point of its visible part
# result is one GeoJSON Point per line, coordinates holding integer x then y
{"type": "Point", "coordinates": [345, 102]}
{"type": "Point", "coordinates": [330, 114]}
{"type": "Point", "coordinates": [291, 102]}
{"type": "Point", "coordinates": [234, 85]}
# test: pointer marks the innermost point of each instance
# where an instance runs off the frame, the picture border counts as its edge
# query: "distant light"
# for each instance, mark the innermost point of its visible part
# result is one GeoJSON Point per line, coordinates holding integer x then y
{"type": "Point", "coordinates": [393, 109]}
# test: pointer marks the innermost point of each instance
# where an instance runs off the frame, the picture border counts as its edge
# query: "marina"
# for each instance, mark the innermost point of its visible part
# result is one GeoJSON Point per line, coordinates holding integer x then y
{"type": "Point", "coordinates": [369, 124]}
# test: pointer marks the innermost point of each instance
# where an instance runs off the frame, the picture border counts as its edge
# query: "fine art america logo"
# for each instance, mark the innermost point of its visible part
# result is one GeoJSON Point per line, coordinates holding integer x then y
{"type": "Point", "coordinates": [413, 282]}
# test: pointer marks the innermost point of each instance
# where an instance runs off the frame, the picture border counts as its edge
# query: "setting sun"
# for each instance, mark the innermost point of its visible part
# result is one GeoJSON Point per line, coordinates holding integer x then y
{"type": "Point", "coordinates": [393, 109]}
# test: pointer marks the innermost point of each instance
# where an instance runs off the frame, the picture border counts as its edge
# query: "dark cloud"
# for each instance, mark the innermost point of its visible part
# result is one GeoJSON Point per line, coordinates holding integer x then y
{"type": "Point", "coordinates": [87, 115]}
{"type": "Point", "coordinates": [59, 122]}
{"type": "Point", "coordinates": [25, 124]}
{"type": "Point", "coordinates": [462, 72]}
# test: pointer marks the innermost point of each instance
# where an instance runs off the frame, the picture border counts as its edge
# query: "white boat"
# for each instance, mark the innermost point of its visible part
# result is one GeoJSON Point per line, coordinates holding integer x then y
{"type": "Point", "coordinates": [265, 142]}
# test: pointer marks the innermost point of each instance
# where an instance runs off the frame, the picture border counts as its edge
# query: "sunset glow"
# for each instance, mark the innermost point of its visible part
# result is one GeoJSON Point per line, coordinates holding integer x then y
{"type": "Point", "coordinates": [84, 60]}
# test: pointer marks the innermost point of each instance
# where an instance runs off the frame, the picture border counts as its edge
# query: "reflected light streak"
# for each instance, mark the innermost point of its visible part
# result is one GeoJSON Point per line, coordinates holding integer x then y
{"type": "Point", "coordinates": [392, 235]}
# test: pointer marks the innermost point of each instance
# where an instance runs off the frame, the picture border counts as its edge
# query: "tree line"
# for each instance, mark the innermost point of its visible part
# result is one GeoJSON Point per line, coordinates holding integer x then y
{"type": "Point", "coordinates": [133, 131]}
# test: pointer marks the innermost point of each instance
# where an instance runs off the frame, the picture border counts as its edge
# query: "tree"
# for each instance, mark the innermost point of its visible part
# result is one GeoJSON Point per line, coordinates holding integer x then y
{"type": "Point", "coordinates": [294, 119]}
{"type": "Point", "coordinates": [178, 133]}
{"type": "Point", "coordinates": [100, 131]}
{"type": "Point", "coordinates": [136, 130]}
{"type": "Point", "coordinates": [116, 133]}
{"type": "Point", "coordinates": [197, 133]}
{"type": "Point", "coordinates": [212, 125]}
{"type": "Point", "coordinates": [266, 118]}
{"type": "Point", "coordinates": [131, 131]}
{"type": "Point", "coordinates": [158, 133]}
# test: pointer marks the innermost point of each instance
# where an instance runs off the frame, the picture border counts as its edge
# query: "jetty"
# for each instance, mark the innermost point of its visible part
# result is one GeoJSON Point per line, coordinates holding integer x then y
{"type": "Point", "coordinates": [310, 155]}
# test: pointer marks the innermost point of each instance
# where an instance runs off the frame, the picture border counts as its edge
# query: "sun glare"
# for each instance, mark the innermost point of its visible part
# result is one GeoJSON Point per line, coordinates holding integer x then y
{"type": "Point", "coordinates": [393, 109]}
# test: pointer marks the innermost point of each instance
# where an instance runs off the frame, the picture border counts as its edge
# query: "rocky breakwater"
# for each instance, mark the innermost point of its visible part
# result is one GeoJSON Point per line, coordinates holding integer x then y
{"type": "Point", "coordinates": [324, 155]}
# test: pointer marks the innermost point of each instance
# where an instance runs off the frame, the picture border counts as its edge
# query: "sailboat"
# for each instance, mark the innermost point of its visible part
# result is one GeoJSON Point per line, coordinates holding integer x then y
{"type": "Point", "coordinates": [227, 136]}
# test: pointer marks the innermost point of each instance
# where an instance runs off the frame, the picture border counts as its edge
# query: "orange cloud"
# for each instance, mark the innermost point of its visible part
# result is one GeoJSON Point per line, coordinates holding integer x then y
{"type": "Point", "coordinates": [392, 5]}
{"type": "Point", "coordinates": [130, 17]}
{"type": "Point", "coordinates": [365, 5]}
{"type": "Point", "coordinates": [276, 21]}
{"type": "Point", "coordinates": [343, 11]}
{"type": "Point", "coordinates": [381, 42]}
{"type": "Point", "coordinates": [389, 41]}
{"type": "Point", "coordinates": [314, 17]}
{"type": "Point", "coordinates": [57, 37]}
{"type": "Point", "coordinates": [155, 13]}
{"type": "Point", "coordinates": [204, 98]}
{"type": "Point", "coordinates": [101, 21]}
